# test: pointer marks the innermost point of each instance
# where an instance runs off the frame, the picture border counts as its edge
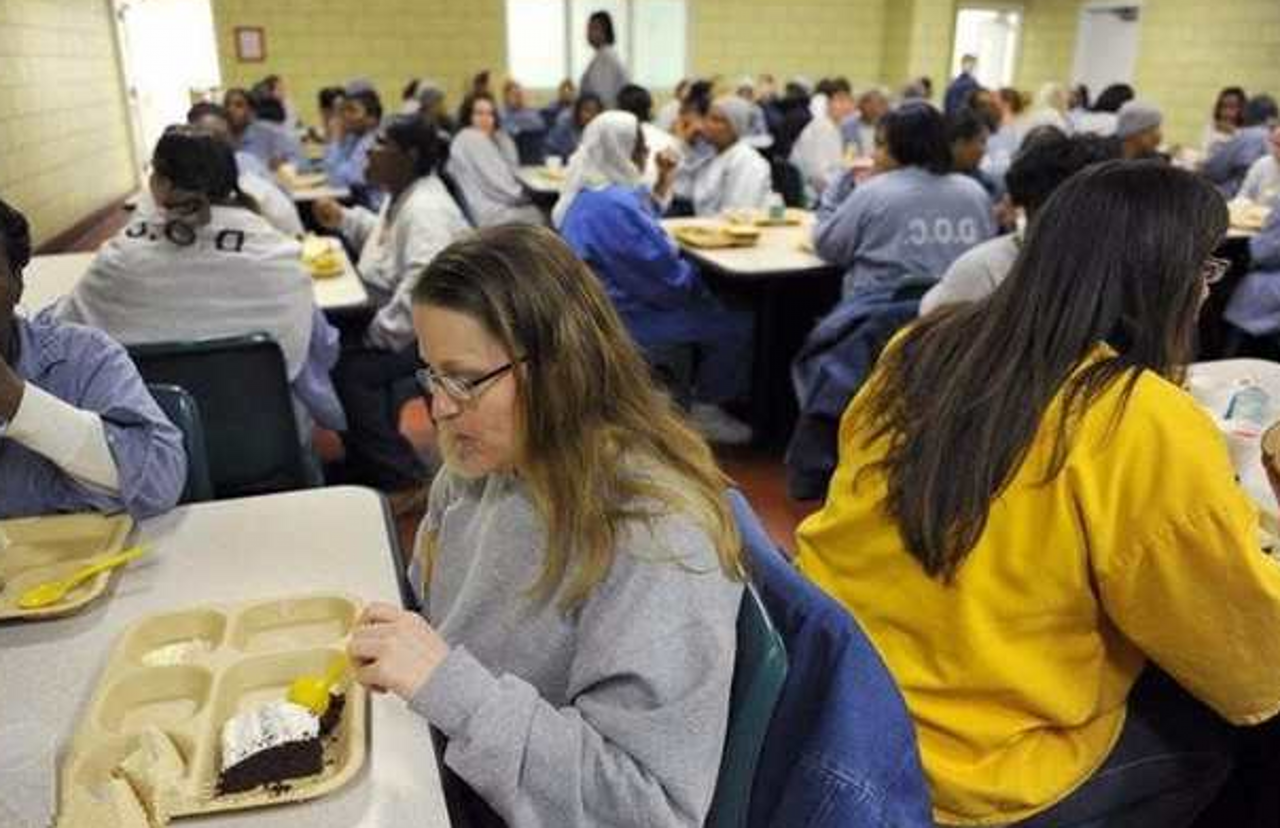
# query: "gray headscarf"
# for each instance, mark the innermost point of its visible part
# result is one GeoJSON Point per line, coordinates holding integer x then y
{"type": "Point", "coordinates": [1136, 116]}
{"type": "Point", "coordinates": [738, 111]}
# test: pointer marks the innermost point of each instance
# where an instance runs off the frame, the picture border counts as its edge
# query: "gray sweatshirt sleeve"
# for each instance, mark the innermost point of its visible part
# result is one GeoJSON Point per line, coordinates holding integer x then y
{"type": "Point", "coordinates": [640, 742]}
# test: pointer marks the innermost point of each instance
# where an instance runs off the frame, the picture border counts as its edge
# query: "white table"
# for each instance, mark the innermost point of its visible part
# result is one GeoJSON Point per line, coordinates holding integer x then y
{"type": "Point", "coordinates": [1213, 384]}
{"type": "Point", "coordinates": [317, 193]}
{"type": "Point", "coordinates": [49, 278]}
{"type": "Point", "coordinates": [334, 539]}
{"type": "Point", "coordinates": [785, 250]}
{"type": "Point", "coordinates": [341, 293]}
{"type": "Point", "coordinates": [788, 288]}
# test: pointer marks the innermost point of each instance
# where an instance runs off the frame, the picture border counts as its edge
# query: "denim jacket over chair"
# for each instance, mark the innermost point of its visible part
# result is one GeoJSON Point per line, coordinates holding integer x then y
{"type": "Point", "coordinates": [841, 750]}
{"type": "Point", "coordinates": [834, 361]}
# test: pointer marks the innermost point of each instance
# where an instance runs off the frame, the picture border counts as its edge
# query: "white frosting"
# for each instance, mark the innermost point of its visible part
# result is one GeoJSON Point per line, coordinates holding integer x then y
{"type": "Point", "coordinates": [179, 652]}
{"type": "Point", "coordinates": [272, 724]}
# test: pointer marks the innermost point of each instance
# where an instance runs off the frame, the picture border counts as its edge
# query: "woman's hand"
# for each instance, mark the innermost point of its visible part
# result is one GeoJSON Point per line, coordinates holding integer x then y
{"type": "Point", "coordinates": [394, 649]}
{"type": "Point", "coordinates": [328, 213]}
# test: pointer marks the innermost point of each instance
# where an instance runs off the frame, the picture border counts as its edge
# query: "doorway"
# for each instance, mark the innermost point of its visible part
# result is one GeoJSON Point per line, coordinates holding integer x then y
{"type": "Point", "coordinates": [169, 56]}
{"type": "Point", "coordinates": [1106, 44]}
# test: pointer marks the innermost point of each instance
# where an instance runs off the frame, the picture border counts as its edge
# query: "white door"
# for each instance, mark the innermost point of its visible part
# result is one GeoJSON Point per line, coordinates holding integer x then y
{"type": "Point", "coordinates": [1106, 45]}
{"type": "Point", "coordinates": [170, 58]}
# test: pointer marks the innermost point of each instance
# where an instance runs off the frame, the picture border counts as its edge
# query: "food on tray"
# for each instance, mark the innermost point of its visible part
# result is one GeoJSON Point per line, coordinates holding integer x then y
{"type": "Point", "coordinates": [718, 236]}
{"type": "Point", "coordinates": [321, 256]}
{"type": "Point", "coordinates": [179, 652]}
{"type": "Point", "coordinates": [154, 770]}
{"type": "Point", "coordinates": [273, 743]}
{"type": "Point", "coordinates": [1247, 215]}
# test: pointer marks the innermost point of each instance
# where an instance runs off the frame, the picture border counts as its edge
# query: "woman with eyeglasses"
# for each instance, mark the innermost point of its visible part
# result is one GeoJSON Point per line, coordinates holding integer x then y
{"type": "Point", "coordinates": [1042, 531]}
{"type": "Point", "coordinates": [578, 565]}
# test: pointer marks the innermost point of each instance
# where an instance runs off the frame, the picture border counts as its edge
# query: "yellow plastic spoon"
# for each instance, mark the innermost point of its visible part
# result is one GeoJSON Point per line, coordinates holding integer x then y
{"type": "Point", "coordinates": [52, 592]}
{"type": "Point", "coordinates": [312, 692]}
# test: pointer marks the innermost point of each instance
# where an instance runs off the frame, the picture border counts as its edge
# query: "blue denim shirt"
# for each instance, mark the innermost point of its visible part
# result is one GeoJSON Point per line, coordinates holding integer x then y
{"type": "Point", "coordinates": [86, 368]}
{"type": "Point", "coordinates": [841, 749]}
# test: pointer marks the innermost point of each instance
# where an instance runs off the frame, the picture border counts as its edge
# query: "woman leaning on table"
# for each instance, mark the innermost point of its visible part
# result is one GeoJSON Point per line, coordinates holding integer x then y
{"type": "Point", "coordinates": [579, 566]}
{"type": "Point", "coordinates": [1043, 534]}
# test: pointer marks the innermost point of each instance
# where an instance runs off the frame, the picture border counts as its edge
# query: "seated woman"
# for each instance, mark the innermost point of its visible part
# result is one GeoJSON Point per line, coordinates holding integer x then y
{"type": "Point", "coordinates": [418, 219]}
{"type": "Point", "coordinates": [1029, 513]}
{"type": "Point", "coordinates": [913, 219]}
{"type": "Point", "coordinates": [1254, 306]}
{"type": "Point", "coordinates": [482, 160]}
{"type": "Point", "coordinates": [562, 140]}
{"type": "Point", "coordinates": [206, 264]}
{"type": "Point", "coordinates": [78, 429]}
{"type": "Point", "coordinates": [737, 177]}
{"type": "Point", "coordinates": [608, 218]}
{"type": "Point", "coordinates": [580, 568]}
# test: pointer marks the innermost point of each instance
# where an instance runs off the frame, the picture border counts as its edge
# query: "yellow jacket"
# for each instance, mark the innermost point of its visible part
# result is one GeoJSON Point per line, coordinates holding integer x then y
{"type": "Point", "coordinates": [1017, 673]}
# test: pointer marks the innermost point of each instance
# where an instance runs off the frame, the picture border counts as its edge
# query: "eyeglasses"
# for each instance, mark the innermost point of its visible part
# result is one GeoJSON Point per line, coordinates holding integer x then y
{"type": "Point", "coordinates": [1213, 269]}
{"type": "Point", "coordinates": [461, 391]}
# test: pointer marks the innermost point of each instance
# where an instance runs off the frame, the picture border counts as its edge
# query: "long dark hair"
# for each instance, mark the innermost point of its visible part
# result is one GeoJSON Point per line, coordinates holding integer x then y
{"type": "Point", "coordinates": [1113, 257]}
{"type": "Point", "coordinates": [1230, 92]}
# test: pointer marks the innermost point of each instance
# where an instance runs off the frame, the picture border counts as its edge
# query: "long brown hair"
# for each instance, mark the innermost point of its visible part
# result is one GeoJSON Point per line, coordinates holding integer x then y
{"type": "Point", "coordinates": [1113, 257]}
{"type": "Point", "coordinates": [601, 446]}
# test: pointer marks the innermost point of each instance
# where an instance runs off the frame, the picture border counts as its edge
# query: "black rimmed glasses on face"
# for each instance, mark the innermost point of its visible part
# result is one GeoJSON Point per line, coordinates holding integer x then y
{"type": "Point", "coordinates": [1213, 269]}
{"type": "Point", "coordinates": [461, 391]}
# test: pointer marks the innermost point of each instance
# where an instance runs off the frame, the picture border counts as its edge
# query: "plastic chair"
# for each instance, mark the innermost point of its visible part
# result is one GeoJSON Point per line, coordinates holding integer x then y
{"type": "Point", "coordinates": [182, 410]}
{"type": "Point", "coordinates": [529, 147]}
{"type": "Point", "coordinates": [242, 389]}
{"type": "Point", "coordinates": [759, 673]}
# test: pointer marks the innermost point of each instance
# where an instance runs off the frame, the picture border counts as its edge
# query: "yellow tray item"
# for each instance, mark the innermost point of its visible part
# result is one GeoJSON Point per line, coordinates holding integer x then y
{"type": "Point", "coordinates": [174, 679]}
{"type": "Point", "coordinates": [321, 257]}
{"type": "Point", "coordinates": [720, 236]}
{"type": "Point", "coordinates": [37, 550]}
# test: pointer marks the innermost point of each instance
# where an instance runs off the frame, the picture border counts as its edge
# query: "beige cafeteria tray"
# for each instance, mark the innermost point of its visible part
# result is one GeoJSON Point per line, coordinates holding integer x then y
{"type": "Point", "coordinates": [184, 674]}
{"type": "Point", "coordinates": [36, 550]}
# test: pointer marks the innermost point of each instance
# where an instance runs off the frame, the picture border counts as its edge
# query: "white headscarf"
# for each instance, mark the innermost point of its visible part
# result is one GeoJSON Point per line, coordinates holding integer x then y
{"type": "Point", "coordinates": [738, 111]}
{"type": "Point", "coordinates": [603, 158]}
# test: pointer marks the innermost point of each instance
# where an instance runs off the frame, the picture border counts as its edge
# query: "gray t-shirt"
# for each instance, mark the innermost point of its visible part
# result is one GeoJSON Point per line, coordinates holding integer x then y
{"type": "Point", "coordinates": [975, 274]}
{"type": "Point", "coordinates": [906, 223]}
{"type": "Point", "coordinates": [612, 715]}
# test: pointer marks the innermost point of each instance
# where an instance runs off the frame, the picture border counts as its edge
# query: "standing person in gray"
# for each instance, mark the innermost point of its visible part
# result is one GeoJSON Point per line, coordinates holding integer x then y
{"type": "Point", "coordinates": [580, 567]}
{"type": "Point", "coordinates": [605, 75]}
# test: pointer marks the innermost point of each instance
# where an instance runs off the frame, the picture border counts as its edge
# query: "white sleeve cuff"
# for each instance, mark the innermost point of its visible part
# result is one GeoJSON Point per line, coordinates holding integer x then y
{"type": "Point", "coordinates": [71, 438]}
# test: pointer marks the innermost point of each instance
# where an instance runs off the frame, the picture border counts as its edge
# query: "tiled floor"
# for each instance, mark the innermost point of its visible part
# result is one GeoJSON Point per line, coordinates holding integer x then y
{"type": "Point", "coordinates": [757, 472]}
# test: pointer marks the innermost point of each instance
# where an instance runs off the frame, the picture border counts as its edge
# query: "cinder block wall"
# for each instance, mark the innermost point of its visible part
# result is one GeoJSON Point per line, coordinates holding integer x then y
{"type": "Point", "coordinates": [64, 131]}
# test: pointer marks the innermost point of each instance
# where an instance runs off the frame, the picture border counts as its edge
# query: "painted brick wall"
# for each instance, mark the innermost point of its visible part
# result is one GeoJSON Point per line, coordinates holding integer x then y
{"type": "Point", "coordinates": [317, 43]}
{"type": "Point", "coordinates": [1048, 43]}
{"type": "Point", "coordinates": [64, 134]}
{"type": "Point", "coordinates": [788, 37]}
{"type": "Point", "coordinates": [1190, 49]}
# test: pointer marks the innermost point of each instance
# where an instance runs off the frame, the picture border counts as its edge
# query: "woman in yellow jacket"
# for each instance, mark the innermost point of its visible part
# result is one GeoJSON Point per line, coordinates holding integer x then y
{"type": "Point", "coordinates": [1028, 511]}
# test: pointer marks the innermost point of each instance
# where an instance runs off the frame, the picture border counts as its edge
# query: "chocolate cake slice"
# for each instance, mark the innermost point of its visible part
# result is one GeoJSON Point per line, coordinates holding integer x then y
{"type": "Point", "coordinates": [269, 744]}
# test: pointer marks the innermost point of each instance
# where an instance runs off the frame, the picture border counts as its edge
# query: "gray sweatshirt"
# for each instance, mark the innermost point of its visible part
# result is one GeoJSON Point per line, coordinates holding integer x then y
{"type": "Point", "coordinates": [613, 715]}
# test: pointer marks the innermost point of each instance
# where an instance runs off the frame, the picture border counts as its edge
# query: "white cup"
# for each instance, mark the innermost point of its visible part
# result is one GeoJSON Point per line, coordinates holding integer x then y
{"type": "Point", "coordinates": [554, 162]}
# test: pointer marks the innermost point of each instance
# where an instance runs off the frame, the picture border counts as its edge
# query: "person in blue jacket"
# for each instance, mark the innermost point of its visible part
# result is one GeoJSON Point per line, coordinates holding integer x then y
{"type": "Point", "coordinates": [78, 429]}
{"type": "Point", "coordinates": [1230, 162]}
{"type": "Point", "coordinates": [913, 217]}
{"type": "Point", "coordinates": [1254, 307]}
{"type": "Point", "coordinates": [610, 221]}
